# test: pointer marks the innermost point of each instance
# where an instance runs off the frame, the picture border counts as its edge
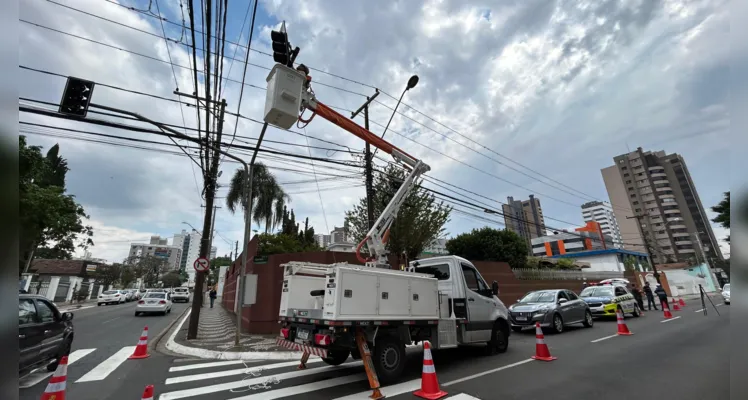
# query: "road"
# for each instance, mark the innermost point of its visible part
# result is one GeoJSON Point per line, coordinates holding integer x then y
{"type": "Point", "coordinates": [686, 358]}
{"type": "Point", "coordinates": [98, 368]}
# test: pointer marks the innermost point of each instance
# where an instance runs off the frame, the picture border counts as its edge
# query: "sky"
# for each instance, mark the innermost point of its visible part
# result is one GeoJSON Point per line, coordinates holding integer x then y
{"type": "Point", "coordinates": [515, 97]}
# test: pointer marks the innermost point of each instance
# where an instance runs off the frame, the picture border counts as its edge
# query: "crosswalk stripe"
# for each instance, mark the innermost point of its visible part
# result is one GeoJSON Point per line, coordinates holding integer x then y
{"type": "Point", "coordinates": [309, 387]}
{"type": "Point", "coordinates": [462, 396]}
{"type": "Point", "coordinates": [389, 391]}
{"type": "Point", "coordinates": [209, 365]}
{"type": "Point", "coordinates": [240, 371]}
{"type": "Point", "coordinates": [106, 367]}
{"type": "Point", "coordinates": [34, 377]}
{"type": "Point", "coordinates": [180, 394]}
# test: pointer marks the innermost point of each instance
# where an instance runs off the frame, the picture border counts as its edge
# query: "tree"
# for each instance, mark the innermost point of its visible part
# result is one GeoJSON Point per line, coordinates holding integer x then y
{"type": "Point", "coordinates": [723, 213]}
{"type": "Point", "coordinates": [48, 216]}
{"type": "Point", "coordinates": [106, 275]}
{"type": "Point", "coordinates": [149, 268]}
{"type": "Point", "coordinates": [532, 262]}
{"type": "Point", "coordinates": [419, 222]}
{"type": "Point", "coordinates": [629, 263]}
{"type": "Point", "coordinates": [488, 244]}
{"type": "Point", "coordinates": [282, 244]}
{"type": "Point", "coordinates": [215, 267]}
{"type": "Point", "coordinates": [171, 279]}
{"type": "Point", "coordinates": [566, 263]}
{"type": "Point", "coordinates": [268, 198]}
{"type": "Point", "coordinates": [127, 277]}
{"type": "Point", "coordinates": [56, 252]}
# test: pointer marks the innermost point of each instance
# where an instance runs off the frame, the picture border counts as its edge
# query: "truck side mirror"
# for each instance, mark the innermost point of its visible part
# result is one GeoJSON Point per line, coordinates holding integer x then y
{"type": "Point", "coordinates": [495, 288]}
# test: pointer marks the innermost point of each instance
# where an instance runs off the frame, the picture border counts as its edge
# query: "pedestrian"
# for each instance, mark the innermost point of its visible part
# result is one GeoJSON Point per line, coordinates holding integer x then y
{"type": "Point", "coordinates": [212, 295]}
{"type": "Point", "coordinates": [637, 296]}
{"type": "Point", "coordinates": [650, 297]}
{"type": "Point", "coordinates": [660, 292]}
{"type": "Point", "coordinates": [584, 285]}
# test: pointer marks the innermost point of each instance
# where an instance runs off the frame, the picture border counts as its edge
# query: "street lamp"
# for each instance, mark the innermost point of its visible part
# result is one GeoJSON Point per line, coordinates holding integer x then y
{"type": "Point", "coordinates": [193, 228]}
{"type": "Point", "coordinates": [412, 82]}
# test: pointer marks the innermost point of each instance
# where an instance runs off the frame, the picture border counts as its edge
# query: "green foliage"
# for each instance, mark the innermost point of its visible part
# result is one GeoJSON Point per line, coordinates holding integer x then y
{"type": "Point", "coordinates": [56, 252]}
{"type": "Point", "coordinates": [80, 293]}
{"type": "Point", "coordinates": [215, 267]}
{"type": "Point", "coordinates": [149, 268]}
{"type": "Point", "coordinates": [723, 213]}
{"type": "Point", "coordinates": [48, 216]}
{"type": "Point", "coordinates": [419, 222]}
{"type": "Point", "coordinates": [106, 275]}
{"type": "Point", "coordinates": [532, 262]}
{"type": "Point", "coordinates": [488, 244]}
{"type": "Point", "coordinates": [629, 263]}
{"type": "Point", "coordinates": [282, 244]}
{"type": "Point", "coordinates": [171, 279]}
{"type": "Point", "coordinates": [566, 263]}
{"type": "Point", "coordinates": [268, 198]}
{"type": "Point", "coordinates": [127, 277]}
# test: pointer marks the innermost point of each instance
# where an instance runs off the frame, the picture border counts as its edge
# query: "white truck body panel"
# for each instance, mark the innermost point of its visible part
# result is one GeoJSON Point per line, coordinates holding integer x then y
{"type": "Point", "coordinates": [301, 285]}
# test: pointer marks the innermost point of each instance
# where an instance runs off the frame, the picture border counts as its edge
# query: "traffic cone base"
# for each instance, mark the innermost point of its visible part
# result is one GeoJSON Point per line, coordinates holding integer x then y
{"type": "Point", "coordinates": [666, 311]}
{"type": "Point", "coordinates": [623, 329]}
{"type": "Point", "coordinates": [141, 350]}
{"type": "Point", "coordinates": [57, 383]}
{"type": "Point", "coordinates": [681, 302]}
{"type": "Point", "coordinates": [148, 393]}
{"type": "Point", "coordinates": [542, 353]}
{"type": "Point", "coordinates": [676, 307]}
{"type": "Point", "coordinates": [429, 384]}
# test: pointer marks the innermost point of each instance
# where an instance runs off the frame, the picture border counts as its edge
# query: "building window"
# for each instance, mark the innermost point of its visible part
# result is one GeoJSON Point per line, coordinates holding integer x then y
{"type": "Point", "coordinates": [628, 182]}
{"type": "Point", "coordinates": [633, 195]}
{"type": "Point", "coordinates": [638, 210]}
{"type": "Point", "coordinates": [626, 175]}
{"type": "Point", "coordinates": [635, 203]}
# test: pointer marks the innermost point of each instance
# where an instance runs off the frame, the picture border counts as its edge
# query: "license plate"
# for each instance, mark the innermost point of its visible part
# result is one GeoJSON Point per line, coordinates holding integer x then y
{"type": "Point", "coordinates": [150, 302]}
{"type": "Point", "coordinates": [302, 334]}
{"type": "Point", "coordinates": [518, 318]}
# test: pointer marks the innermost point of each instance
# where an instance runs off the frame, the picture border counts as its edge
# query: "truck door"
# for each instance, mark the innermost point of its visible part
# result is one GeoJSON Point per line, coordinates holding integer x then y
{"type": "Point", "coordinates": [479, 304]}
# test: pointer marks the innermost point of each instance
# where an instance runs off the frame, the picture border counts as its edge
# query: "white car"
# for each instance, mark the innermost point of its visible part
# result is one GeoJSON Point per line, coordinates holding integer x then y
{"type": "Point", "coordinates": [726, 293]}
{"type": "Point", "coordinates": [181, 294]}
{"type": "Point", "coordinates": [111, 297]}
{"type": "Point", "coordinates": [154, 302]}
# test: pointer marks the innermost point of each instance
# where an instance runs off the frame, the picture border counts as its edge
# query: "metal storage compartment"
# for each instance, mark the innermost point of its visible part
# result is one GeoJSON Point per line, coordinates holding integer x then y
{"type": "Point", "coordinates": [283, 98]}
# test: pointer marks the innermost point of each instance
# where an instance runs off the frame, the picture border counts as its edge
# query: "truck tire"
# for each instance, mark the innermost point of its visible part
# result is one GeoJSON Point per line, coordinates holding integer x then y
{"type": "Point", "coordinates": [499, 342]}
{"type": "Point", "coordinates": [389, 359]}
{"type": "Point", "coordinates": [336, 357]}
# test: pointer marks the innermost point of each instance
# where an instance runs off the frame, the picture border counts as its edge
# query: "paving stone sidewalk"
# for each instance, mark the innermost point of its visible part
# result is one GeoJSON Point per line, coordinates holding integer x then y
{"type": "Point", "coordinates": [216, 332]}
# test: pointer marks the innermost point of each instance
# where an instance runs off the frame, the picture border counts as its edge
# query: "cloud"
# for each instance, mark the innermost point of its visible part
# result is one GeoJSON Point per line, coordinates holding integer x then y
{"type": "Point", "coordinates": [561, 87]}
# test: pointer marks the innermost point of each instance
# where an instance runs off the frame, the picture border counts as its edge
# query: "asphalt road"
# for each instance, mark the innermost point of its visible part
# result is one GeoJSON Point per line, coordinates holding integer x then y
{"type": "Point", "coordinates": [686, 358]}
{"type": "Point", "coordinates": [104, 337]}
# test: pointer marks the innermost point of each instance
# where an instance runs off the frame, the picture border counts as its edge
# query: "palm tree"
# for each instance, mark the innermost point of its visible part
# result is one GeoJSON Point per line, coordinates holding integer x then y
{"type": "Point", "coordinates": [268, 198]}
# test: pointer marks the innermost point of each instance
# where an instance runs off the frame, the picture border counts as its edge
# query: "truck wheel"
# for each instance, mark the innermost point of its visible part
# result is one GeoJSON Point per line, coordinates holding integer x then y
{"type": "Point", "coordinates": [499, 342]}
{"type": "Point", "coordinates": [355, 354]}
{"type": "Point", "coordinates": [336, 357]}
{"type": "Point", "coordinates": [389, 359]}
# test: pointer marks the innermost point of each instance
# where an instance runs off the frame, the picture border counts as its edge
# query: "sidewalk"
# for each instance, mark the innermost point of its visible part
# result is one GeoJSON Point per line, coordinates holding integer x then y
{"type": "Point", "coordinates": [65, 307]}
{"type": "Point", "coordinates": [215, 339]}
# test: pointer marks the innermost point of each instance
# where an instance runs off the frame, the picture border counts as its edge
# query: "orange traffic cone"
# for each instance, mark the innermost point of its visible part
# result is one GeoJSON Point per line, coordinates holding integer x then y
{"type": "Point", "coordinates": [676, 307]}
{"type": "Point", "coordinates": [148, 393]}
{"type": "Point", "coordinates": [141, 350]}
{"type": "Point", "coordinates": [542, 352]}
{"type": "Point", "coordinates": [429, 384]}
{"type": "Point", "coordinates": [56, 387]}
{"type": "Point", "coordinates": [666, 310]}
{"type": "Point", "coordinates": [622, 328]}
{"type": "Point", "coordinates": [681, 302]}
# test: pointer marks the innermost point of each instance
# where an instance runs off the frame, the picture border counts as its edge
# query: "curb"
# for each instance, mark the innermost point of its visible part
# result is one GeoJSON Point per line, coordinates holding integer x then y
{"type": "Point", "coordinates": [153, 344]}
{"type": "Point", "coordinates": [178, 348]}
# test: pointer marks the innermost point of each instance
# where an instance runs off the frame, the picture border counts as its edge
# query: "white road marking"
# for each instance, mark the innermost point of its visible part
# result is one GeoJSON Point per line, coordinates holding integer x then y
{"type": "Point", "coordinates": [240, 371]}
{"type": "Point", "coordinates": [478, 375]}
{"type": "Point", "coordinates": [670, 319]}
{"type": "Point", "coordinates": [309, 387]}
{"type": "Point", "coordinates": [207, 365]}
{"type": "Point", "coordinates": [462, 396]}
{"type": "Point", "coordinates": [700, 310]}
{"type": "Point", "coordinates": [110, 320]}
{"type": "Point", "coordinates": [719, 304]}
{"type": "Point", "coordinates": [41, 374]}
{"type": "Point", "coordinates": [603, 338]}
{"type": "Point", "coordinates": [180, 394]}
{"type": "Point", "coordinates": [106, 367]}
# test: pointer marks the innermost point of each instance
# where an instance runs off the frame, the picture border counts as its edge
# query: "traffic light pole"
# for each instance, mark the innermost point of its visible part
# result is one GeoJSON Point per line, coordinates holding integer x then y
{"type": "Point", "coordinates": [368, 162]}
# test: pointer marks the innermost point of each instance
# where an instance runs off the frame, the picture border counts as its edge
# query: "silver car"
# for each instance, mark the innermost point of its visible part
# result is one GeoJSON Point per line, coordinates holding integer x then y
{"type": "Point", "coordinates": [726, 293]}
{"type": "Point", "coordinates": [554, 308]}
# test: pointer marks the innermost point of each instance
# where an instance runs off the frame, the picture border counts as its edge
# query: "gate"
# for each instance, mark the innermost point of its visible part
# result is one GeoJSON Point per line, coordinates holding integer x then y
{"type": "Point", "coordinates": [84, 288]}
{"type": "Point", "coordinates": [95, 290]}
{"type": "Point", "coordinates": [62, 290]}
{"type": "Point", "coordinates": [39, 287]}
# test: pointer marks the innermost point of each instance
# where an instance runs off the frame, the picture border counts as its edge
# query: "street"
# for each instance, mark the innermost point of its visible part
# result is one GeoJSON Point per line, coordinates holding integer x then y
{"type": "Point", "coordinates": [686, 357]}
{"type": "Point", "coordinates": [98, 367]}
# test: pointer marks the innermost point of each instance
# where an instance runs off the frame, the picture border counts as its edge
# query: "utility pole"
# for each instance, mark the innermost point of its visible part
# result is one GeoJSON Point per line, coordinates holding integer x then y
{"type": "Point", "coordinates": [647, 246]}
{"type": "Point", "coordinates": [236, 248]}
{"type": "Point", "coordinates": [709, 271]}
{"type": "Point", "coordinates": [368, 161]}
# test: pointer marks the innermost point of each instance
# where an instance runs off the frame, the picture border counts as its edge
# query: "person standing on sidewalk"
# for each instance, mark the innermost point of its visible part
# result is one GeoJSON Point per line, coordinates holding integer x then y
{"type": "Point", "coordinates": [212, 295]}
{"type": "Point", "coordinates": [637, 296]}
{"type": "Point", "coordinates": [660, 292]}
{"type": "Point", "coordinates": [650, 297]}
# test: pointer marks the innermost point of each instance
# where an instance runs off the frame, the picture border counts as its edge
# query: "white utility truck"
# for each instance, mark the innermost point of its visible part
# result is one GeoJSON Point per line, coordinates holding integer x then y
{"type": "Point", "coordinates": [336, 310]}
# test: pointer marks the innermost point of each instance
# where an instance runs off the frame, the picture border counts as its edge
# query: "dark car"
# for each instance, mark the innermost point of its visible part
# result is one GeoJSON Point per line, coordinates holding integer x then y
{"type": "Point", "coordinates": [554, 308]}
{"type": "Point", "coordinates": [44, 333]}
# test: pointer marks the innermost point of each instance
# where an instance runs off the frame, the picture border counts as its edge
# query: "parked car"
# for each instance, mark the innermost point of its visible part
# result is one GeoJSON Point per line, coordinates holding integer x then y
{"type": "Point", "coordinates": [128, 295]}
{"type": "Point", "coordinates": [181, 294]}
{"type": "Point", "coordinates": [44, 333]}
{"type": "Point", "coordinates": [111, 297]}
{"type": "Point", "coordinates": [554, 308]}
{"type": "Point", "coordinates": [604, 300]}
{"type": "Point", "coordinates": [154, 302]}
{"type": "Point", "coordinates": [726, 293]}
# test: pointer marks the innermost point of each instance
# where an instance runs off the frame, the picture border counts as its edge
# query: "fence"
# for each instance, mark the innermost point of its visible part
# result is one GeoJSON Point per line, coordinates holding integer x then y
{"type": "Point", "coordinates": [556, 275]}
{"type": "Point", "coordinates": [39, 287]}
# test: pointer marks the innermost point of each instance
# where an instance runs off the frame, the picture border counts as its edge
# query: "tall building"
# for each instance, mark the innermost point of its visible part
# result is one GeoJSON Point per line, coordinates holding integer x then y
{"type": "Point", "coordinates": [213, 251]}
{"type": "Point", "coordinates": [525, 218]}
{"type": "Point", "coordinates": [190, 242]}
{"type": "Point", "coordinates": [338, 235]}
{"type": "Point", "coordinates": [182, 239]}
{"type": "Point", "coordinates": [323, 240]}
{"type": "Point", "coordinates": [602, 213]}
{"type": "Point", "coordinates": [657, 188]}
{"type": "Point", "coordinates": [158, 247]}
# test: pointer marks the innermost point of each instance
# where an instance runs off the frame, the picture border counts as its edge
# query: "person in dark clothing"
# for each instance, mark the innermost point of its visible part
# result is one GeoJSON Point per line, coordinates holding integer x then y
{"type": "Point", "coordinates": [660, 292]}
{"type": "Point", "coordinates": [212, 295]}
{"type": "Point", "coordinates": [650, 297]}
{"type": "Point", "coordinates": [637, 296]}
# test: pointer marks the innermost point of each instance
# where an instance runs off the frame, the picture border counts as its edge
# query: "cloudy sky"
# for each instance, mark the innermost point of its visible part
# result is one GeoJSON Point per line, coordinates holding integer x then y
{"type": "Point", "coordinates": [516, 97]}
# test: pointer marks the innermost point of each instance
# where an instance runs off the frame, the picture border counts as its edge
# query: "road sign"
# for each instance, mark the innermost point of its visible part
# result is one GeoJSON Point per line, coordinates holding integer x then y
{"type": "Point", "coordinates": [201, 264]}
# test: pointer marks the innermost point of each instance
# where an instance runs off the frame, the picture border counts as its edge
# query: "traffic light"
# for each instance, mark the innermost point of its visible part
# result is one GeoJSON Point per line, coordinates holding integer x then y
{"type": "Point", "coordinates": [76, 97]}
{"type": "Point", "coordinates": [283, 53]}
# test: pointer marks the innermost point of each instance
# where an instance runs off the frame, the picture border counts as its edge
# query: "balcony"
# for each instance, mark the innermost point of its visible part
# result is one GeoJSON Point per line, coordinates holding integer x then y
{"type": "Point", "coordinates": [661, 236]}
{"type": "Point", "coordinates": [683, 243]}
{"type": "Point", "coordinates": [668, 252]}
{"type": "Point", "coordinates": [658, 175]}
{"type": "Point", "coordinates": [661, 182]}
{"type": "Point", "coordinates": [676, 211]}
{"type": "Point", "coordinates": [677, 226]}
{"type": "Point", "coordinates": [656, 168]}
{"type": "Point", "coordinates": [664, 189]}
{"type": "Point", "coordinates": [681, 234]}
{"type": "Point", "coordinates": [667, 196]}
{"type": "Point", "coordinates": [686, 251]}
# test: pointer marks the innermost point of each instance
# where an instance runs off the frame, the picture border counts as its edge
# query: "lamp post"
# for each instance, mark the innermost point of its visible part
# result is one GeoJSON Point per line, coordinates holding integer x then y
{"type": "Point", "coordinates": [412, 82]}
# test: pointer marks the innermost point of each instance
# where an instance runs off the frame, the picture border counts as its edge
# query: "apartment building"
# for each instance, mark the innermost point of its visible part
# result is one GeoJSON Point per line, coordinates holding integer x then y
{"type": "Point", "coordinates": [525, 218]}
{"type": "Point", "coordinates": [657, 188]}
{"type": "Point", "coordinates": [586, 238]}
{"type": "Point", "coordinates": [602, 213]}
{"type": "Point", "coordinates": [158, 247]}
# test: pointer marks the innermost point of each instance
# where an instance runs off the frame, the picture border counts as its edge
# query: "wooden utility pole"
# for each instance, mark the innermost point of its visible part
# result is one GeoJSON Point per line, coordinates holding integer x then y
{"type": "Point", "coordinates": [368, 162]}
{"type": "Point", "coordinates": [647, 246]}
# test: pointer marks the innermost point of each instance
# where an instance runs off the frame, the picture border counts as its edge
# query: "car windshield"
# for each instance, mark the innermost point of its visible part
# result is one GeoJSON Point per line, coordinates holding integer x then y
{"type": "Point", "coordinates": [155, 295]}
{"type": "Point", "coordinates": [597, 292]}
{"type": "Point", "coordinates": [110, 292]}
{"type": "Point", "coordinates": [726, 288]}
{"type": "Point", "coordinates": [539, 297]}
{"type": "Point", "coordinates": [180, 290]}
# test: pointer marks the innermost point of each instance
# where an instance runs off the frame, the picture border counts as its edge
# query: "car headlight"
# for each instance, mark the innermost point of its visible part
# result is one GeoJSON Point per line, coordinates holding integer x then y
{"type": "Point", "coordinates": [608, 301]}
